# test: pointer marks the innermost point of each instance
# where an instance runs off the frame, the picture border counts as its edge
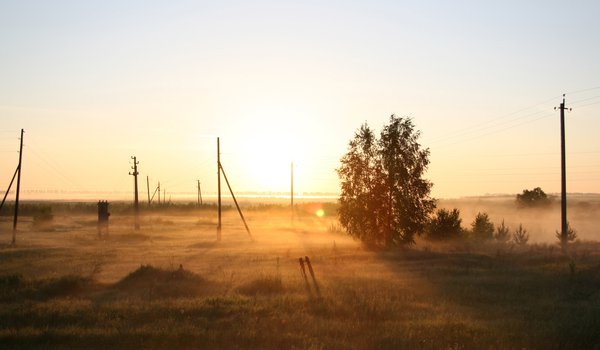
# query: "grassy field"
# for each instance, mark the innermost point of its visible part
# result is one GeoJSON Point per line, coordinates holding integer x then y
{"type": "Point", "coordinates": [171, 285]}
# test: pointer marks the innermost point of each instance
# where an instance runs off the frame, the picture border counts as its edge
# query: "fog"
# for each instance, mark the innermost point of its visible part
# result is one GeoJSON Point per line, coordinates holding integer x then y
{"type": "Point", "coordinates": [583, 213]}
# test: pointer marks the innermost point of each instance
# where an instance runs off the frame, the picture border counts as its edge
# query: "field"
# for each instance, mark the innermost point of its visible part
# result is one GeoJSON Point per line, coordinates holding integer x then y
{"type": "Point", "coordinates": [172, 285]}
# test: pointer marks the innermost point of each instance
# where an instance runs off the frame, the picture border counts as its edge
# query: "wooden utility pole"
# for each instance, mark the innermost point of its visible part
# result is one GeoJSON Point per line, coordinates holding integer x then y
{"type": "Point", "coordinates": [148, 186]}
{"type": "Point", "coordinates": [158, 187]}
{"type": "Point", "coordinates": [20, 167]}
{"type": "Point", "coordinates": [199, 194]}
{"type": "Point", "coordinates": [563, 176]}
{"type": "Point", "coordinates": [136, 206]}
{"type": "Point", "coordinates": [292, 189]}
{"type": "Point", "coordinates": [219, 188]}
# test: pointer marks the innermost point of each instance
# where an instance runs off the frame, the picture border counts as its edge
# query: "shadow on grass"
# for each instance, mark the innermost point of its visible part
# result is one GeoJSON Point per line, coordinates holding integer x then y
{"type": "Point", "coordinates": [532, 297]}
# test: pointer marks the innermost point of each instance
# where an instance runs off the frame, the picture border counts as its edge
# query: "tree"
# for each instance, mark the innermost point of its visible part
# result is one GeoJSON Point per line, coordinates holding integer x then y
{"type": "Point", "coordinates": [362, 188]}
{"type": "Point", "coordinates": [520, 236]}
{"type": "Point", "coordinates": [571, 235]}
{"type": "Point", "coordinates": [384, 199]}
{"type": "Point", "coordinates": [482, 227]}
{"type": "Point", "coordinates": [445, 225]}
{"type": "Point", "coordinates": [502, 234]}
{"type": "Point", "coordinates": [535, 197]}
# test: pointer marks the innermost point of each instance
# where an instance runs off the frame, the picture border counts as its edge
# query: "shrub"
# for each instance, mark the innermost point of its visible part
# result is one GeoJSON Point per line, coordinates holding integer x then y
{"type": "Point", "coordinates": [502, 233]}
{"type": "Point", "coordinates": [520, 236]}
{"type": "Point", "coordinates": [482, 227]}
{"type": "Point", "coordinates": [445, 224]}
{"type": "Point", "coordinates": [571, 234]}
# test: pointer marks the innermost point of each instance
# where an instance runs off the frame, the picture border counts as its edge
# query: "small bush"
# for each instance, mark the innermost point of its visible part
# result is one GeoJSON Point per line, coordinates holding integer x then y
{"type": "Point", "coordinates": [502, 233]}
{"type": "Point", "coordinates": [571, 234]}
{"type": "Point", "coordinates": [482, 227]}
{"type": "Point", "coordinates": [520, 236]}
{"type": "Point", "coordinates": [445, 225]}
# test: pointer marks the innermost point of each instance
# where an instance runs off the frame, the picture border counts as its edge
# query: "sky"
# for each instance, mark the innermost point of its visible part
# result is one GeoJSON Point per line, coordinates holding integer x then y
{"type": "Point", "coordinates": [96, 82]}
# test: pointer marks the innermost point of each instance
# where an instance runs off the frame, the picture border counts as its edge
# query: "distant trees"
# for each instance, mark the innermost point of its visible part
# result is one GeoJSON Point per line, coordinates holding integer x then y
{"type": "Point", "coordinates": [502, 234]}
{"type": "Point", "coordinates": [445, 225]}
{"type": "Point", "coordinates": [535, 197]}
{"type": "Point", "coordinates": [482, 227]}
{"type": "Point", "coordinates": [384, 198]}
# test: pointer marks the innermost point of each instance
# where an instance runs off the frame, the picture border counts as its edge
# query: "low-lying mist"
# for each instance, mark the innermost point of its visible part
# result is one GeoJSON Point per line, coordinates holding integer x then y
{"type": "Point", "coordinates": [583, 213]}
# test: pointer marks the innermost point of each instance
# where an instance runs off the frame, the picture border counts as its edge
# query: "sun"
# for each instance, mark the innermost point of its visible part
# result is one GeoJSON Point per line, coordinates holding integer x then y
{"type": "Point", "coordinates": [268, 164]}
{"type": "Point", "coordinates": [271, 143]}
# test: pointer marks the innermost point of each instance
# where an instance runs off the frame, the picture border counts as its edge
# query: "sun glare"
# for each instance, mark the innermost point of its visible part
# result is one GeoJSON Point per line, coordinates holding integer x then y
{"type": "Point", "coordinates": [272, 145]}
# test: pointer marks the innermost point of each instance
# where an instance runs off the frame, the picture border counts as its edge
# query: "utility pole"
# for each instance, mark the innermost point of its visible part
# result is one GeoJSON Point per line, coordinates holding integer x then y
{"type": "Point", "coordinates": [292, 189]}
{"type": "Point", "coordinates": [136, 206]}
{"type": "Point", "coordinates": [20, 167]}
{"type": "Point", "coordinates": [158, 187]}
{"type": "Point", "coordinates": [199, 193]}
{"type": "Point", "coordinates": [148, 186]}
{"type": "Point", "coordinates": [219, 188]}
{"type": "Point", "coordinates": [563, 176]}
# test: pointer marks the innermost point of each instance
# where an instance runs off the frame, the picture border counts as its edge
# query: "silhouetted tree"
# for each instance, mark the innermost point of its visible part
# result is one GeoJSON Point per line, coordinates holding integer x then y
{"type": "Point", "coordinates": [362, 186]}
{"type": "Point", "coordinates": [445, 225]}
{"type": "Point", "coordinates": [571, 234]}
{"type": "Point", "coordinates": [385, 200]}
{"type": "Point", "coordinates": [535, 197]}
{"type": "Point", "coordinates": [502, 233]}
{"type": "Point", "coordinates": [482, 227]}
{"type": "Point", "coordinates": [520, 236]}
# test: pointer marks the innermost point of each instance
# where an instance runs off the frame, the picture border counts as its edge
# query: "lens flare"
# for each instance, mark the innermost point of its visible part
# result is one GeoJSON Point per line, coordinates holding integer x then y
{"type": "Point", "coordinates": [320, 213]}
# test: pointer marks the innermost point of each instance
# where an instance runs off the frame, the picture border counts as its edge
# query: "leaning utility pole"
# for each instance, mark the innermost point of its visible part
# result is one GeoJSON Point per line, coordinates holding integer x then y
{"type": "Point", "coordinates": [136, 206]}
{"type": "Point", "coordinates": [563, 177]}
{"type": "Point", "coordinates": [219, 188]}
{"type": "Point", "coordinates": [20, 167]}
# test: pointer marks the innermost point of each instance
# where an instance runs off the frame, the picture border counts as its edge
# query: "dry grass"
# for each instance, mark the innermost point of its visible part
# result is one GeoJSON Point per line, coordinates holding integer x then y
{"type": "Point", "coordinates": [171, 285]}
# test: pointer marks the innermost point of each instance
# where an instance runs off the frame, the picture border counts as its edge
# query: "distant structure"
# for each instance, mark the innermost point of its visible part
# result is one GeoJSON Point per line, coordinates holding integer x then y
{"type": "Point", "coordinates": [103, 215]}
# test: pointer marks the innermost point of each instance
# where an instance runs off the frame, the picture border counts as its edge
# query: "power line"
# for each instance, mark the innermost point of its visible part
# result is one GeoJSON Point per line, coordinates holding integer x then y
{"type": "Point", "coordinates": [479, 125]}
{"type": "Point", "coordinates": [498, 131]}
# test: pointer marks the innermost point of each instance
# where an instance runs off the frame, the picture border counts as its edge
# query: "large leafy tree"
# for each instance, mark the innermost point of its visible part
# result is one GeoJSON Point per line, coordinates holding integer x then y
{"type": "Point", "coordinates": [385, 199]}
{"type": "Point", "coordinates": [362, 188]}
{"type": "Point", "coordinates": [532, 198]}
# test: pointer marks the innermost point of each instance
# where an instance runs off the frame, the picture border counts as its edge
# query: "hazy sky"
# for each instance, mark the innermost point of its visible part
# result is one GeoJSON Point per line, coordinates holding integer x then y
{"type": "Point", "coordinates": [95, 82]}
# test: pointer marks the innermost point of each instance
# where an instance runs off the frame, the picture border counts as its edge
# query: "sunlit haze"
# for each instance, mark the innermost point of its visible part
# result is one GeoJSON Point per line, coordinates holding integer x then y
{"type": "Point", "coordinates": [93, 83]}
